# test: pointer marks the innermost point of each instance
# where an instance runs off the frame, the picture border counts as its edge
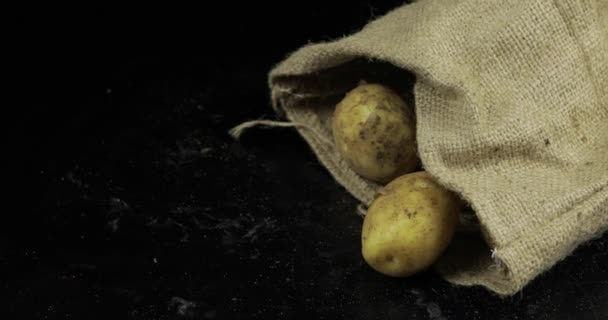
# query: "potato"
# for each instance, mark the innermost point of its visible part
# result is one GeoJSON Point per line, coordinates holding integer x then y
{"type": "Point", "coordinates": [374, 132]}
{"type": "Point", "coordinates": [409, 225]}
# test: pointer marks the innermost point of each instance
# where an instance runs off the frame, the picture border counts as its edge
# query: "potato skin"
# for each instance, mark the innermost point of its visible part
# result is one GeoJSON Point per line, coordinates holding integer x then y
{"type": "Point", "coordinates": [375, 133]}
{"type": "Point", "coordinates": [409, 225]}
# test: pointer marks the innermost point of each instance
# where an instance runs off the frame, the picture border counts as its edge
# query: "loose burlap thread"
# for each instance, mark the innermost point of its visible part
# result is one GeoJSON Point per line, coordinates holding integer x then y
{"type": "Point", "coordinates": [511, 103]}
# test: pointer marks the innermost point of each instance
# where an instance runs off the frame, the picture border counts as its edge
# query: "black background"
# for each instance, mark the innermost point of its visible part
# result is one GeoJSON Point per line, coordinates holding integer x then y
{"type": "Point", "coordinates": [129, 200]}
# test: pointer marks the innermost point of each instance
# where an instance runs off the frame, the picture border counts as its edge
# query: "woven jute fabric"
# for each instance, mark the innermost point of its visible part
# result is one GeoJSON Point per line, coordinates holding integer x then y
{"type": "Point", "coordinates": [511, 104]}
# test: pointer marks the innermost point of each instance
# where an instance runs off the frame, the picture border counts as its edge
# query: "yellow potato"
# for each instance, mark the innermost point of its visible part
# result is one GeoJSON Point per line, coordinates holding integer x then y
{"type": "Point", "coordinates": [409, 225]}
{"type": "Point", "coordinates": [374, 131]}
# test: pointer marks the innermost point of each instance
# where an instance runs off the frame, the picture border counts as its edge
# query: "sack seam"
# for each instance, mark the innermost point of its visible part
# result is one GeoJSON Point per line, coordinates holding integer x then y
{"type": "Point", "coordinates": [574, 34]}
{"type": "Point", "coordinates": [566, 212]}
{"type": "Point", "coordinates": [525, 277]}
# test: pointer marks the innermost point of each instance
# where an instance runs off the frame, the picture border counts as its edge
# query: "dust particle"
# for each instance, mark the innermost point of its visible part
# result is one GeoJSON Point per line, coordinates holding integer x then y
{"type": "Point", "coordinates": [410, 214]}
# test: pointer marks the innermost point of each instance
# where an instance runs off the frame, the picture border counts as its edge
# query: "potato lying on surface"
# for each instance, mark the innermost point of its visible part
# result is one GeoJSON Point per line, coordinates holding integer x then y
{"type": "Point", "coordinates": [375, 133]}
{"type": "Point", "coordinates": [409, 225]}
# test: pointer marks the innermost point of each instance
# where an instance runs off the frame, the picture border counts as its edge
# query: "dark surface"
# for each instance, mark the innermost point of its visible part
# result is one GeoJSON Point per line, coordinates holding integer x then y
{"type": "Point", "coordinates": [135, 203]}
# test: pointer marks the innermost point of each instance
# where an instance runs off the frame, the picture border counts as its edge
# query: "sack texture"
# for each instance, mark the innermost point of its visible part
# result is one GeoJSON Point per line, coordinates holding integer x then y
{"type": "Point", "coordinates": [511, 101]}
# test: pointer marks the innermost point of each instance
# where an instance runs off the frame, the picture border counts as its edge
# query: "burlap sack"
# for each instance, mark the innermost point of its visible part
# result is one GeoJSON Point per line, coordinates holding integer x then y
{"type": "Point", "coordinates": [511, 101]}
